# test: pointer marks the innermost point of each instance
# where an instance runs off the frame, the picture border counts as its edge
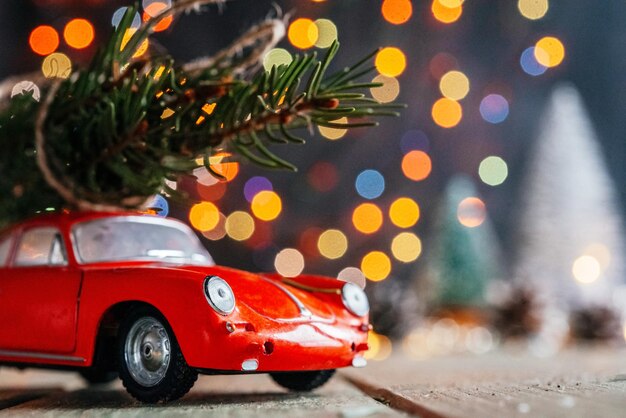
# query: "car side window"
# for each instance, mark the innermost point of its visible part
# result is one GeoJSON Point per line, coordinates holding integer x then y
{"type": "Point", "coordinates": [5, 248]}
{"type": "Point", "coordinates": [41, 247]}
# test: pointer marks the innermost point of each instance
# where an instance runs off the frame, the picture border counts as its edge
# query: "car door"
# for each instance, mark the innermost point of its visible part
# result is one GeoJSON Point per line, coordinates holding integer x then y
{"type": "Point", "coordinates": [39, 295]}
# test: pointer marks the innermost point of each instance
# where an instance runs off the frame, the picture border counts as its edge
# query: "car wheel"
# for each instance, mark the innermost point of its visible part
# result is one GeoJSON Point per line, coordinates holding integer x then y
{"type": "Point", "coordinates": [95, 376]}
{"type": "Point", "coordinates": [151, 365]}
{"type": "Point", "coordinates": [302, 381]}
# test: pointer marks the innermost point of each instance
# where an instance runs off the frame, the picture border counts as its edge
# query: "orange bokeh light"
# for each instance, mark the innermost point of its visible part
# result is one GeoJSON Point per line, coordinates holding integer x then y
{"type": "Point", "coordinates": [390, 61]}
{"type": "Point", "coordinates": [447, 113]}
{"type": "Point", "coordinates": [153, 10]}
{"type": "Point", "coordinates": [397, 12]}
{"type": "Point", "coordinates": [303, 33]}
{"type": "Point", "coordinates": [446, 14]}
{"type": "Point", "coordinates": [416, 165]}
{"type": "Point", "coordinates": [229, 170]}
{"type": "Point", "coordinates": [78, 33]}
{"type": "Point", "coordinates": [367, 218]}
{"type": "Point", "coordinates": [44, 40]}
{"type": "Point", "coordinates": [204, 216]}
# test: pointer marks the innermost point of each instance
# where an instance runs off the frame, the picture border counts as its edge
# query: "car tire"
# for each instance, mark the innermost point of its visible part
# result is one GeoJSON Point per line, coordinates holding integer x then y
{"type": "Point", "coordinates": [95, 376]}
{"type": "Point", "coordinates": [302, 381]}
{"type": "Point", "coordinates": [151, 364]}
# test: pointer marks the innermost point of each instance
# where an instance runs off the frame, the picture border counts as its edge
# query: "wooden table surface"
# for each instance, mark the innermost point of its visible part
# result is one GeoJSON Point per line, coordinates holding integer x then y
{"type": "Point", "coordinates": [581, 382]}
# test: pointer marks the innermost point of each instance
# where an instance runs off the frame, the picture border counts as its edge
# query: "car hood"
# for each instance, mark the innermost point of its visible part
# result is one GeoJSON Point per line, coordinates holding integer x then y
{"type": "Point", "coordinates": [267, 294]}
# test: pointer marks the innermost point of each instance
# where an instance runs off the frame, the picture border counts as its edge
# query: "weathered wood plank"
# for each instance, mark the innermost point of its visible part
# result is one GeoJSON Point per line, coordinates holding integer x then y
{"type": "Point", "coordinates": [577, 383]}
{"type": "Point", "coordinates": [213, 396]}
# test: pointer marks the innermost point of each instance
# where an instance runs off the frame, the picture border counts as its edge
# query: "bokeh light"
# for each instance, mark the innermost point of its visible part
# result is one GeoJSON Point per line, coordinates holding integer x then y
{"type": "Point", "coordinates": [119, 14]}
{"type": "Point", "coordinates": [370, 184]}
{"type": "Point", "coordinates": [255, 185]}
{"type": "Point", "coordinates": [78, 33]}
{"type": "Point", "coordinates": [332, 244]}
{"type": "Point", "coordinates": [471, 212]}
{"type": "Point", "coordinates": [334, 133]}
{"type": "Point", "coordinates": [389, 90]}
{"type": "Point", "coordinates": [204, 216]}
{"type": "Point", "coordinates": [406, 247]}
{"type": "Point", "coordinates": [276, 57]}
{"type": "Point", "coordinates": [239, 225]}
{"type": "Point", "coordinates": [379, 347]}
{"type": "Point", "coordinates": [441, 64]}
{"type": "Point", "coordinates": [493, 170]}
{"type": "Point", "coordinates": [323, 176]}
{"type": "Point", "coordinates": [353, 275]}
{"type": "Point", "coordinates": [529, 63]}
{"type": "Point", "coordinates": [397, 12]}
{"type": "Point", "coordinates": [390, 61]}
{"type": "Point", "coordinates": [308, 241]}
{"type": "Point", "coordinates": [159, 205]}
{"type": "Point", "coordinates": [404, 212]}
{"type": "Point", "coordinates": [266, 205]}
{"type": "Point", "coordinates": [454, 85]}
{"type": "Point", "coordinates": [154, 9]}
{"type": "Point", "coordinates": [554, 51]}
{"type": "Point", "coordinates": [586, 269]}
{"type": "Point", "coordinates": [211, 193]}
{"type": "Point", "coordinates": [219, 231]}
{"type": "Point", "coordinates": [303, 33]}
{"type": "Point", "coordinates": [414, 140]}
{"type": "Point", "coordinates": [26, 87]}
{"type": "Point", "coordinates": [227, 169]}
{"type": "Point", "coordinates": [416, 165]}
{"type": "Point", "coordinates": [367, 218]}
{"type": "Point", "coordinates": [446, 14]}
{"type": "Point", "coordinates": [56, 65]}
{"type": "Point", "coordinates": [533, 9]}
{"type": "Point", "coordinates": [327, 33]}
{"type": "Point", "coordinates": [376, 266]}
{"type": "Point", "coordinates": [141, 49]}
{"type": "Point", "coordinates": [494, 108]}
{"type": "Point", "coordinates": [447, 113]}
{"type": "Point", "coordinates": [43, 40]}
{"type": "Point", "coordinates": [289, 262]}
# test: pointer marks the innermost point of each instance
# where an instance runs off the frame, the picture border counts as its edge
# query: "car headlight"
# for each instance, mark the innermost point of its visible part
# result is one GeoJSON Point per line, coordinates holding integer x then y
{"type": "Point", "coordinates": [354, 299]}
{"type": "Point", "coordinates": [219, 294]}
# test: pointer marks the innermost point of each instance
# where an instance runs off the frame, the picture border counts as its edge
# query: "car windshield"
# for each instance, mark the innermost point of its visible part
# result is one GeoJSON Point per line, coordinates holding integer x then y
{"type": "Point", "coordinates": [137, 238]}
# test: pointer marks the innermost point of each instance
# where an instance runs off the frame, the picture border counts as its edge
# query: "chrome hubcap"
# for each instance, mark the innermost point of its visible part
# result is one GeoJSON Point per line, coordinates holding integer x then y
{"type": "Point", "coordinates": [147, 351]}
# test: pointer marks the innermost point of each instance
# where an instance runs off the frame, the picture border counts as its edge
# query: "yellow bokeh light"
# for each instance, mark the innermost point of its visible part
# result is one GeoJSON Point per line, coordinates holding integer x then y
{"type": "Point", "coordinates": [289, 262]}
{"type": "Point", "coordinates": [406, 247]}
{"type": "Point", "coordinates": [390, 61]}
{"type": "Point", "coordinates": [471, 212]}
{"type": "Point", "coordinates": [332, 244]}
{"type": "Point", "coordinates": [446, 14]}
{"type": "Point", "coordinates": [454, 85]}
{"type": "Point", "coordinates": [404, 212]}
{"type": "Point", "coordinates": [367, 218]}
{"type": "Point", "coordinates": [551, 51]}
{"type": "Point", "coordinates": [334, 133]}
{"type": "Point", "coordinates": [397, 12]}
{"type": "Point", "coordinates": [447, 113]}
{"type": "Point", "coordinates": [303, 33]}
{"type": "Point", "coordinates": [376, 266]}
{"type": "Point", "coordinates": [586, 269]}
{"type": "Point", "coordinates": [533, 9]}
{"type": "Point", "coordinates": [416, 165]}
{"type": "Point", "coordinates": [389, 90]}
{"type": "Point", "coordinates": [141, 49]}
{"type": "Point", "coordinates": [239, 226]}
{"type": "Point", "coordinates": [204, 216]}
{"type": "Point", "coordinates": [56, 65]}
{"type": "Point", "coordinates": [380, 347]}
{"type": "Point", "coordinates": [266, 205]}
{"type": "Point", "coordinates": [327, 33]}
{"type": "Point", "coordinates": [276, 57]}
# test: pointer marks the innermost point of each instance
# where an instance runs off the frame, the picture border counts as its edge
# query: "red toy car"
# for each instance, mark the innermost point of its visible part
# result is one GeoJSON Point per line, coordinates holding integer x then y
{"type": "Point", "coordinates": [139, 296]}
